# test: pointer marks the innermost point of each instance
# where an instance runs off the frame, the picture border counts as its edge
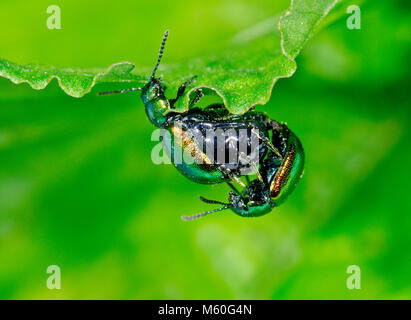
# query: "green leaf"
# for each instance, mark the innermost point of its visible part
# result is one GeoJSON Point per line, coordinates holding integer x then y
{"type": "Point", "coordinates": [242, 73]}
{"type": "Point", "coordinates": [300, 22]}
{"type": "Point", "coordinates": [75, 83]}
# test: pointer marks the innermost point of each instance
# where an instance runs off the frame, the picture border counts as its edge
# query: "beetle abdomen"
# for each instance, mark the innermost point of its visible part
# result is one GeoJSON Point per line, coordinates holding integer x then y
{"type": "Point", "coordinates": [290, 171]}
{"type": "Point", "coordinates": [284, 173]}
{"type": "Point", "coordinates": [189, 145]}
{"type": "Point", "coordinates": [210, 143]}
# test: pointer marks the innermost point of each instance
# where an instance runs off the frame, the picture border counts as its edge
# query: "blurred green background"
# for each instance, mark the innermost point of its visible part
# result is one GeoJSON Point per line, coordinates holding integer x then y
{"type": "Point", "coordinates": [78, 188]}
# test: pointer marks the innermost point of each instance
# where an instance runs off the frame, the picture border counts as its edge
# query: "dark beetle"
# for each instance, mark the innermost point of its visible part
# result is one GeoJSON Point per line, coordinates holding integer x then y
{"type": "Point", "coordinates": [278, 179]}
{"type": "Point", "coordinates": [190, 132]}
{"type": "Point", "coordinates": [278, 161]}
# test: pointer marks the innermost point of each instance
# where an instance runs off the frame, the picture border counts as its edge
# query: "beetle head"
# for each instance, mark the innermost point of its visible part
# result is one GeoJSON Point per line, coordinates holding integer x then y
{"type": "Point", "coordinates": [153, 93]}
{"type": "Point", "coordinates": [253, 201]}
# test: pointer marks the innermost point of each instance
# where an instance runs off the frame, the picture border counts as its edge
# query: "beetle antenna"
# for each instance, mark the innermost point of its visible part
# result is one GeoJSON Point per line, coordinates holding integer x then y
{"type": "Point", "coordinates": [212, 201]}
{"type": "Point", "coordinates": [118, 91]}
{"type": "Point", "coordinates": [199, 215]}
{"type": "Point", "coordinates": [160, 55]}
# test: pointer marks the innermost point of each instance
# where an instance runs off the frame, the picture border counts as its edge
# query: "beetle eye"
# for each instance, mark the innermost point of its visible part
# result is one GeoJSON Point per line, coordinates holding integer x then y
{"type": "Point", "coordinates": [240, 204]}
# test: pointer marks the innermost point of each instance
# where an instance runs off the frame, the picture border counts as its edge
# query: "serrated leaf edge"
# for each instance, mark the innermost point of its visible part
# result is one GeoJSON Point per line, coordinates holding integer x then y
{"type": "Point", "coordinates": [186, 102]}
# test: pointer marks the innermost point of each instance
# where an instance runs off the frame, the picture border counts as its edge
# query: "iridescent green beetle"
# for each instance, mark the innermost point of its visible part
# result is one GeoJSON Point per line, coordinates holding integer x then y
{"type": "Point", "coordinates": [277, 160]}
{"type": "Point", "coordinates": [279, 179]}
{"type": "Point", "coordinates": [198, 166]}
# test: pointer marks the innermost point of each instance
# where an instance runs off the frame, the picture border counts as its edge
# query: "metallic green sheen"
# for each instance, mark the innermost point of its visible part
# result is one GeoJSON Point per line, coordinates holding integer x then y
{"type": "Point", "coordinates": [296, 170]}
{"type": "Point", "coordinates": [155, 102]}
{"type": "Point", "coordinates": [254, 211]}
{"type": "Point", "coordinates": [186, 164]}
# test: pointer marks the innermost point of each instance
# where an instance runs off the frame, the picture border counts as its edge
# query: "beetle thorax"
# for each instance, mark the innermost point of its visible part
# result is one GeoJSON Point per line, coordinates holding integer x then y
{"type": "Point", "coordinates": [155, 102]}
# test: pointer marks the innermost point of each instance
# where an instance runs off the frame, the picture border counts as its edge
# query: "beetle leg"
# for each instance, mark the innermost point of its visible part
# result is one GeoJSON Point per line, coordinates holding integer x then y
{"type": "Point", "coordinates": [266, 141]}
{"type": "Point", "coordinates": [198, 96]}
{"type": "Point", "coordinates": [233, 188]}
{"type": "Point", "coordinates": [181, 90]}
{"type": "Point", "coordinates": [252, 165]}
{"type": "Point", "coordinates": [231, 175]}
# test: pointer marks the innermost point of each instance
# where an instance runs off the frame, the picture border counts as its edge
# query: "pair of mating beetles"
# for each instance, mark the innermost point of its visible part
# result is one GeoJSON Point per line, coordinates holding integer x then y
{"type": "Point", "coordinates": [278, 165]}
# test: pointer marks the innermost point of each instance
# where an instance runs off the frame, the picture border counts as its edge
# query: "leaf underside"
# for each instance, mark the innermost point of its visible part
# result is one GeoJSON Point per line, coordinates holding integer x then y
{"type": "Point", "coordinates": [242, 73]}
